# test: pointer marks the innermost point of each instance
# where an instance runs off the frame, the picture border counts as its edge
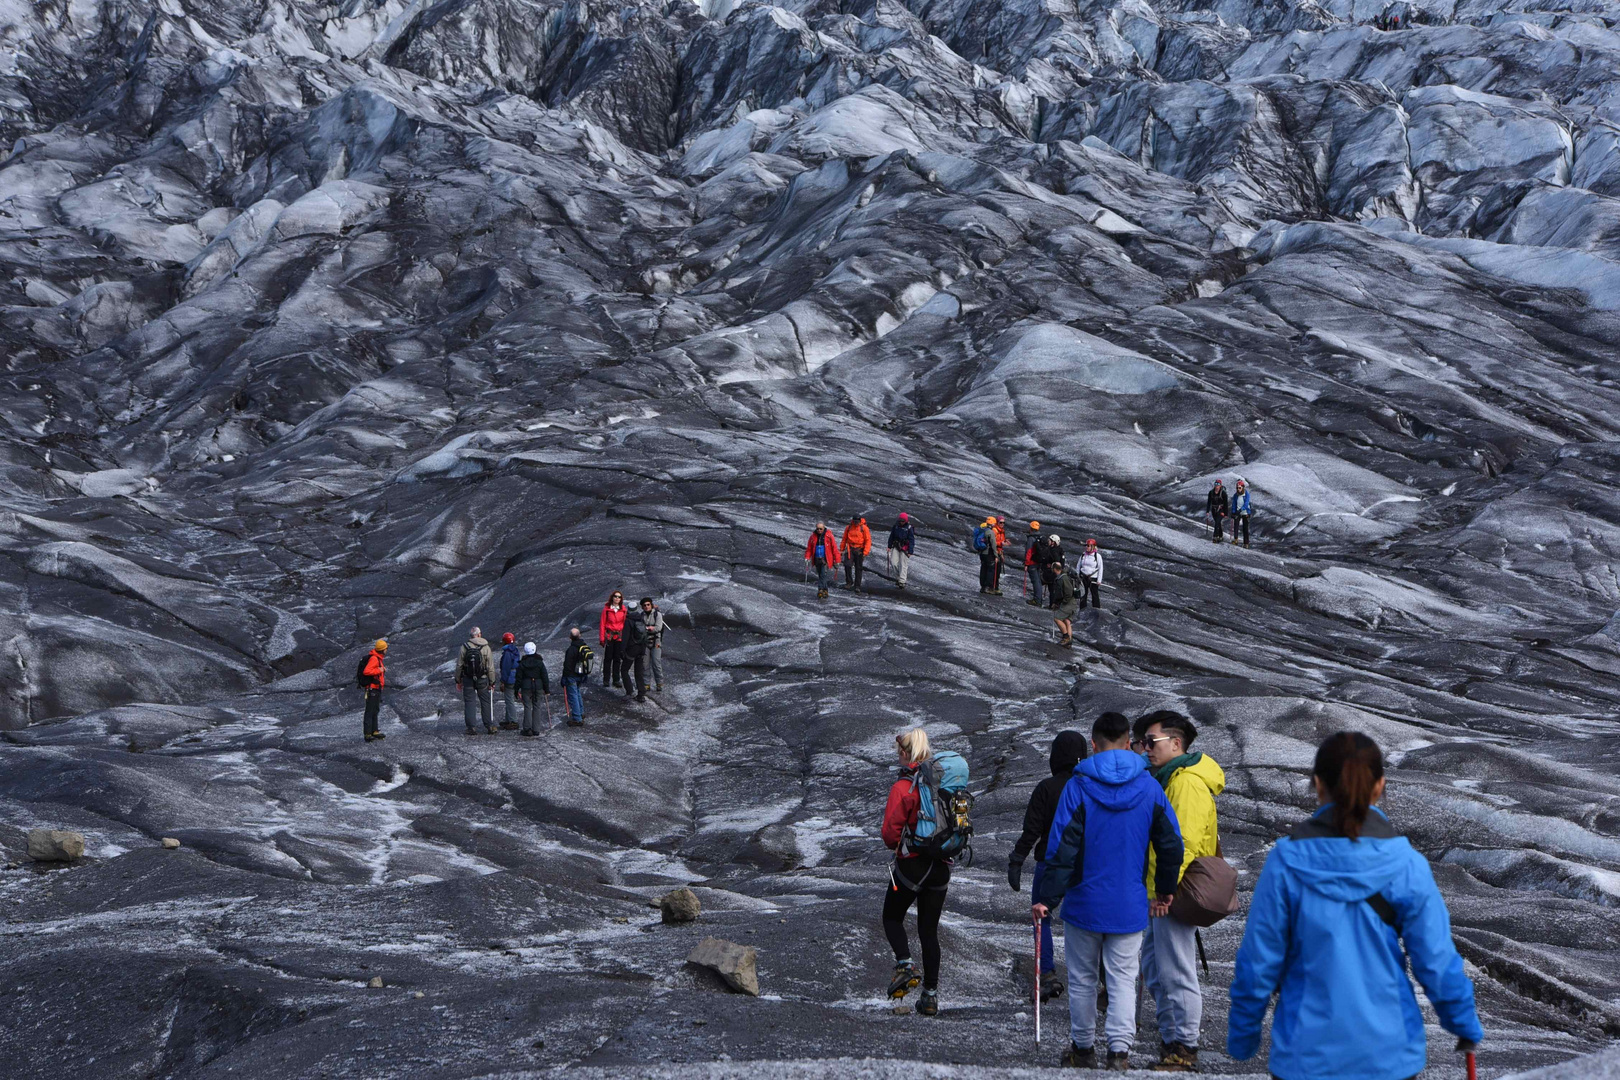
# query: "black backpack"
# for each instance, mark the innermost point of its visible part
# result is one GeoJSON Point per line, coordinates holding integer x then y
{"type": "Point", "coordinates": [473, 667]}
{"type": "Point", "coordinates": [635, 635]}
{"type": "Point", "coordinates": [360, 672]}
{"type": "Point", "coordinates": [582, 666]}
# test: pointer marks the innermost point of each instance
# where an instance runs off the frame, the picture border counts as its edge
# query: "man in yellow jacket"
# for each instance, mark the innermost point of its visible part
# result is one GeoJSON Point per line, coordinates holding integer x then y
{"type": "Point", "coordinates": [1170, 948]}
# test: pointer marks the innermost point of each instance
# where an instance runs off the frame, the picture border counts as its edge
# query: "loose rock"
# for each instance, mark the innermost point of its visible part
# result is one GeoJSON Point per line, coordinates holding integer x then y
{"type": "Point", "coordinates": [680, 906]}
{"type": "Point", "coordinates": [732, 962]}
{"type": "Point", "coordinates": [376, 982]}
{"type": "Point", "coordinates": [55, 845]}
{"type": "Point", "coordinates": [170, 842]}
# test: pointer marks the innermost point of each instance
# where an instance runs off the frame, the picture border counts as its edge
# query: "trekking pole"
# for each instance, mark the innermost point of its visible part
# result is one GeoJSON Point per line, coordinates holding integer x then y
{"type": "Point", "coordinates": [1467, 1049]}
{"type": "Point", "coordinates": [1038, 984]}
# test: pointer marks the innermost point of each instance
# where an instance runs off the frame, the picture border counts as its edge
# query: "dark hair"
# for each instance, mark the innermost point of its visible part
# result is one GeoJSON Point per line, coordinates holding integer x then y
{"type": "Point", "coordinates": [1171, 723]}
{"type": "Point", "coordinates": [1349, 765]}
{"type": "Point", "coordinates": [646, 600]}
{"type": "Point", "coordinates": [1110, 727]}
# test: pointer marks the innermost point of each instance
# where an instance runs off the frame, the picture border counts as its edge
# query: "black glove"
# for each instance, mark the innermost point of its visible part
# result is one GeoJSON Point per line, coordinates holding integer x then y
{"type": "Point", "coordinates": [1015, 872]}
{"type": "Point", "coordinates": [1466, 1046]}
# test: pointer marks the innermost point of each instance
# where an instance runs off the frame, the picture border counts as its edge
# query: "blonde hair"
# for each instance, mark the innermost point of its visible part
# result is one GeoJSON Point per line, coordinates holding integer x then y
{"type": "Point", "coordinates": [915, 745]}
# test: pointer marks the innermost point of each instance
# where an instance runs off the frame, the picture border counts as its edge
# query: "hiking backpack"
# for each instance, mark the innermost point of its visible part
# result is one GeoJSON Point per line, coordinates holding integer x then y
{"type": "Point", "coordinates": [981, 539]}
{"type": "Point", "coordinates": [360, 672]}
{"type": "Point", "coordinates": [473, 667]}
{"type": "Point", "coordinates": [944, 828]}
{"type": "Point", "coordinates": [582, 666]}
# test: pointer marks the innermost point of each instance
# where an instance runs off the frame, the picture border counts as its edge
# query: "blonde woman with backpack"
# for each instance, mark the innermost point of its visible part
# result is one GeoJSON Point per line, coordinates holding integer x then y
{"type": "Point", "coordinates": [914, 878]}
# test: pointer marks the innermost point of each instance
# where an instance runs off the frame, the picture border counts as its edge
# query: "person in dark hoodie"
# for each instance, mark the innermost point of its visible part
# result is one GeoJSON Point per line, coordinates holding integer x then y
{"type": "Point", "coordinates": [511, 653]}
{"type": "Point", "coordinates": [1110, 813]}
{"type": "Point", "coordinates": [1217, 506]}
{"type": "Point", "coordinates": [1067, 751]}
{"type": "Point", "coordinates": [531, 683]}
{"type": "Point", "coordinates": [1343, 906]}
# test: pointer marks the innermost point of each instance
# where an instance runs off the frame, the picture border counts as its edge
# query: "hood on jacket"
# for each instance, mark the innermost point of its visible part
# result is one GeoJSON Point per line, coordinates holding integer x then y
{"type": "Point", "coordinates": [1343, 869]}
{"type": "Point", "coordinates": [1193, 764]}
{"type": "Point", "coordinates": [478, 641]}
{"type": "Point", "coordinates": [1068, 749]}
{"type": "Point", "coordinates": [1112, 772]}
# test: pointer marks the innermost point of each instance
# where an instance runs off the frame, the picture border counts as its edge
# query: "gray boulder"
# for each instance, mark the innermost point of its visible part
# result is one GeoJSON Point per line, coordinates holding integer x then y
{"type": "Point", "coordinates": [55, 845]}
{"type": "Point", "coordinates": [680, 906]}
{"type": "Point", "coordinates": [732, 962]}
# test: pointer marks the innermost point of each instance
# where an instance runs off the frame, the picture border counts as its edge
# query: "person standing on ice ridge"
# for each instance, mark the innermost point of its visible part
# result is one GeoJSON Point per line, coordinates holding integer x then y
{"type": "Point", "coordinates": [475, 671]}
{"type": "Point", "coordinates": [654, 619]}
{"type": "Point", "coordinates": [1000, 526]}
{"type": "Point", "coordinates": [902, 544]}
{"type": "Point", "coordinates": [510, 655]}
{"type": "Point", "coordinates": [914, 878]}
{"type": "Point", "coordinates": [576, 672]}
{"type": "Point", "coordinates": [636, 642]}
{"type": "Point", "coordinates": [821, 551]}
{"type": "Point", "coordinates": [1049, 556]}
{"type": "Point", "coordinates": [984, 543]}
{"type": "Point", "coordinates": [1064, 605]}
{"type": "Point", "coordinates": [1067, 750]}
{"type": "Point", "coordinates": [1343, 905]}
{"type": "Point", "coordinates": [1216, 506]}
{"type": "Point", "coordinates": [371, 676]}
{"type": "Point", "coordinates": [1032, 567]}
{"type": "Point", "coordinates": [610, 635]}
{"type": "Point", "coordinates": [857, 546]}
{"type": "Point", "coordinates": [1241, 508]}
{"type": "Point", "coordinates": [1091, 575]}
{"type": "Point", "coordinates": [531, 683]}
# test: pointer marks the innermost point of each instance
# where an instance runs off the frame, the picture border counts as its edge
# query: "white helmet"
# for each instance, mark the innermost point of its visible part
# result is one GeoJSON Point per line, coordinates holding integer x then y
{"type": "Point", "coordinates": [528, 648]}
{"type": "Point", "coordinates": [1055, 538]}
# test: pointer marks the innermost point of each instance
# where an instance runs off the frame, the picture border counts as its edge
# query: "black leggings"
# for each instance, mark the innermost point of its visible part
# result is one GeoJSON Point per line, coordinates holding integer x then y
{"type": "Point", "coordinates": [615, 665]}
{"type": "Point", "coordinates": [924, 881]}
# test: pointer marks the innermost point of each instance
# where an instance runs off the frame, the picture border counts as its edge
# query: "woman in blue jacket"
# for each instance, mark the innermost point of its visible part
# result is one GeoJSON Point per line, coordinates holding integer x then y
{"type": "Point", "coordinates": [1338, 898]}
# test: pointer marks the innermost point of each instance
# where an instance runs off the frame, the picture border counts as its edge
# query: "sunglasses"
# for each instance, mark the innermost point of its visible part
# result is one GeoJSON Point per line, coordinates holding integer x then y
{"type": "Point", "coordinates": [1150, 741]}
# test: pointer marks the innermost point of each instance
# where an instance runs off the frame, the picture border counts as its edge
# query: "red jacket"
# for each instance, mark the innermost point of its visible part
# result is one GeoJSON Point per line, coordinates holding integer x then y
{"type": "Point", "coordinates": [832, 547]}
{"type": "Point", "coordinates": [858, 538]}
{"type": "Point", "coordinates": [901, 812]}
{"type": "Point", "coordinates": [612, 625]}
{"type": "Point", "coordinates": [374, 670]}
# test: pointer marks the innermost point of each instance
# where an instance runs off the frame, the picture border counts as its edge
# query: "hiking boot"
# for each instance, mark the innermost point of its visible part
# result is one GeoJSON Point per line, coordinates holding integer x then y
{"type": "Point", "coordinates": [905, 980]}
{"type": "Point", "coordinates": [1051, 985]}
{"type": "Point", "coordinates": [1076, 1057]}
{"type": "Point", "coordinates": [378, 735]}
{"type": "Point", "coordinates": [507, 725]}
{"type": "Point", "coordinates": [488, 730]}
{"type": "Point", "coordinates": [929, 1004]}
{"type": "Point", "coordinates": [528, 733]}
{"type": "Point", "coordinates": [1032, 602]}
{"type": "Point", "coordinates": [470, 731]}
{"type": "Point", "coordinates": [1177, 1057]}
{"type": "Point", "coordinates": [1067, 641]}
{"type": "Point", "coordinates": [576, 723]}
{"type": "Point", "coordinates": [659, 689]}
{"type": "Point", "coordinates": [821, 594]}
{"type": "Point", "coordinates": [641, 696]}
{"type": "Point", "coordinates": [1118, 1061]}
{"type": "Point", "coordinates": [995, 592]}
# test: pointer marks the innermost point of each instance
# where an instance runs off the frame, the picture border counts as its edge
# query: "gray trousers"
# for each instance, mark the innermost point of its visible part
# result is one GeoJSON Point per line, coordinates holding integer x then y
{"type": "Point", "coordinates": [509, 692]}
{"type": "Point", "coordinates": [899, 558]}
{"type": "Point", "coordinates": [476, 697]}
{"type": "Point", "coordinates": [1119, 953]}
{"type": "Point", "coordinates": [1170, 971]}
{"type": "Point", "coordinates": [655, 657]}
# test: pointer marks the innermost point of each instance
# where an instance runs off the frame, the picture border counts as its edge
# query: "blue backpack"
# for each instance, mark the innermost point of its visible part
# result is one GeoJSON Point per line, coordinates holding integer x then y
{"type": "Point", "coordinates": [944, 828]}
{"type": "Point", "coordinates": [981, 538]}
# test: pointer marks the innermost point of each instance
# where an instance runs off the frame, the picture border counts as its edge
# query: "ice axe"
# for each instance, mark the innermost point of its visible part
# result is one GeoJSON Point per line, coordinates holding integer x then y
{"type": "Point", "coordinates": [1037, 922]}
{"type": "Point", "coordinates": [1466, 1047]}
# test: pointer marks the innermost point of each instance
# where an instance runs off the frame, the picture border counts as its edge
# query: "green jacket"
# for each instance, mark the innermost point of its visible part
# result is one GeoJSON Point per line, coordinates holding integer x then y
{"type": "Point", "coordinates": [1191, 783]}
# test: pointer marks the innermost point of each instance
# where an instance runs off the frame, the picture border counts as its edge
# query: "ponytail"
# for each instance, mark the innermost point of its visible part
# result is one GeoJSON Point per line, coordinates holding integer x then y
{"type": "Point", "coordinates": [1349, 764]}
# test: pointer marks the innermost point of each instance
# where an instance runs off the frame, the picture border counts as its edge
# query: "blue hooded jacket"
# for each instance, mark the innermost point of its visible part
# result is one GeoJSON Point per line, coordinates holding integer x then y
{"type": "Point", "coordinates": [1097, 850]}
{"type": "Point", "coordinates": [1345, 1007]}
{"type": "Point", "coordinates": [1241, 505]}
{"type": "Point", "coordinates": [510, 655]}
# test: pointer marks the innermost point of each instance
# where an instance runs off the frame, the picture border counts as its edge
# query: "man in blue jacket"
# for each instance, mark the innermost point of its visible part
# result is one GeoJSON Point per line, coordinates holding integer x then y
{"type": "Point", "coordinates": [1110, 813]}
{"type": "Point", "coordinates": [511, 654]}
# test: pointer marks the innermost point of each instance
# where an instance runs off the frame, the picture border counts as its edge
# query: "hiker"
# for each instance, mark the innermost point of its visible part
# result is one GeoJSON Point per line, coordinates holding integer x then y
{"type": "Point", "coordinates": [475, 668]}
{"type": "Point", "coordinates": [1032, 567]}
{"type": "Point", "coordinates": [510, 655]}
{"type": "Point", "coordinates": [1191, 781]}
{"type": "Point", "coordinates": [635, 649]}
{"type": "Point", "coordinates": [576, 672]}
{"type": "Point", "coordinates": [914, 878]}
{"type": "Point", "coordinates": [821, 551]}
{"type": "Point", "coordinates": [1217, 507]}
{"type": "Point", "coordinates": [1241, 509]}
{"type": "Point", "coordinates": [1091, 575]}
{"type": "Point", "coordinates": [654, 621]}
{"type": "Point", "coordinates": [1000, 524]}
{"type": "Point", "coordinates": [371, 676]}
{"type": "Point", "coordinates": [1067, 751]}
{"type": "Point", "coordinates": [902, 545]}
{"type": "Point", "coordinates": [857, 546]}
{"type": "Point", "coordinates": [1339, 900]}
{"type": "Point", "coordinates": [1110, 813]}
{"type": "Point", "coordinates": [531, 683]}
{"type": "Point", "coordinates": [984, 542]}
{"type": "Point", "coordinates": [610, 635]}
{"type": "Point", "coordinates": [1050, 559]}
{"type": "Point", "coordinates": [1064, 605]}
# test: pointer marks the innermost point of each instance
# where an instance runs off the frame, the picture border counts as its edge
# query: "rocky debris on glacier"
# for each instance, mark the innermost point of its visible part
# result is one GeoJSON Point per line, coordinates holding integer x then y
{"type": "Point", "coordinates": [735, 964]}
{"type": "Point", "coordinates": [327, 321]}
{"type": "Point", "coordinates": [680, 906]}
{"type": "Point", "coordinates": [55, 845]}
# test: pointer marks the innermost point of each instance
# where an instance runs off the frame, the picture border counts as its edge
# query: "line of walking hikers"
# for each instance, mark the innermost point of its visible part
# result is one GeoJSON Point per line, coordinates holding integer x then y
{"type": "Point", "coordinates": [632, 643]}
{"type": "Point", "coordinates": [1048, 580]}
{"type": "Point", "coordinates": [1128, 857]}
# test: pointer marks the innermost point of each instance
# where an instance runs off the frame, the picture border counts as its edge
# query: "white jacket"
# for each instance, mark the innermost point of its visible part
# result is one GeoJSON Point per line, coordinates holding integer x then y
{"type": "Point", "coordinates": [1091, 566]}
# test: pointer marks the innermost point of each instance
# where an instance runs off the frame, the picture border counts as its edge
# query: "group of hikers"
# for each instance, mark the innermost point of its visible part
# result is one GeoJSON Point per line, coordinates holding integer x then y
{"type": "Point", "coordinates": [1238, 506]}
{"type": "Point", "coordinates": [632, 643]}
{"type": "Point", "coordinates": [1049, 582]}
{"type": "Point", "coordinates": [1127, 848]}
